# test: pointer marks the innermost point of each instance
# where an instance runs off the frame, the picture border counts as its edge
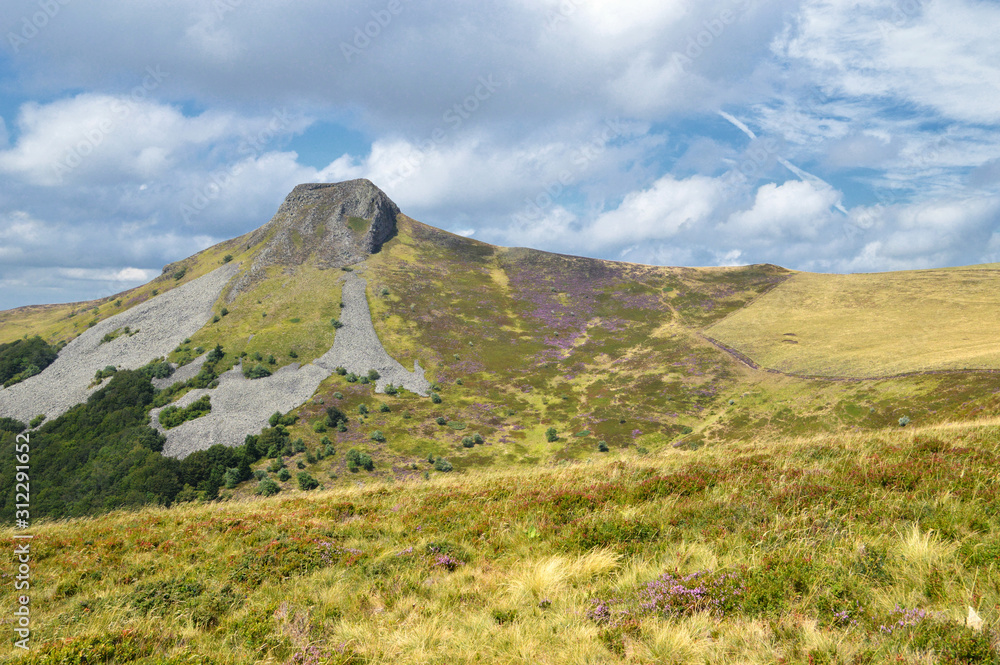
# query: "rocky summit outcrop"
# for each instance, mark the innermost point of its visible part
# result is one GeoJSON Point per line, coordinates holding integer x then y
{"type": "Point", "coordinates": [334, 225]}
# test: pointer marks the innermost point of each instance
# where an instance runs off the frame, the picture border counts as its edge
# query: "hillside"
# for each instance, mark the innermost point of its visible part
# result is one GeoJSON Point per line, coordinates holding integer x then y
{"type": "Point", "coordinates": [848, 548]}
{"type": "Point", "coordinates": [488, 453]}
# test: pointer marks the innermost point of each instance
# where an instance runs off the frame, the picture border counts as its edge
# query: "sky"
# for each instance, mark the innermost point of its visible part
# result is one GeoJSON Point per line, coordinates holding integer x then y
{"type": "Point", "coordinates": [820, 135]}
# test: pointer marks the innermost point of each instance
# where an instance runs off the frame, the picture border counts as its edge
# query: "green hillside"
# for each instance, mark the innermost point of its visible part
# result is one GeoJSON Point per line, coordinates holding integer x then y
{"type": "Point", "coordinates": [616, 463]}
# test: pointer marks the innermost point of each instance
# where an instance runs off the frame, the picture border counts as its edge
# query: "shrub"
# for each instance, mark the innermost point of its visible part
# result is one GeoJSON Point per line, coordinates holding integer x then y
{"type": "Point", "coordinates": [360, 459]}
{"type": "Point", "coordinates": [441, 420]}
{"type": "Point", "coordinates": [173, 416]}
{"type": "Point", "coordinates": [551, 435]}
{"type": "Point", "coordinates": [336, 324]}
{"type": "Point", "coordinates": [227, 258]}
{"type": "Point", "coordinates": [215, 355]}
{"type": "Point", "coordinates": [256, 356]}
{"type": "Point", "coordinates": [362, 409]}
{"type": "Point", "coordinates": [307, 482]}
{"type": "Point", "coordinates": [276, 465]}
{"type": "Point", "coordinates": [384, 408]}
{"type": "Point", "coordinates": [319, 427]}
{"type": "Point", "coordinates": [260, 474]}
{"type": "Point", "coordinates": [341, 371]}
{"type": "Point", "coordinates": [364, 380]}
{"type": "Point", "coordinates": [338, 395]}
{"type": "Point", "coordinates": [311, 458]}
{"type": "Point", "coordinates": [435, 398]}
{"type": "Point", "coordinates": [267, 487]}
{"type": "Point", "coordinates": [256, 372]}
{"type": "Point", "coordinates": [351, 378]}
{"type": "Point", "coordinates": [441, 464]}
{"type": "Point", "coordinates": [298, 446]}
{"type": "Point", "coordinates": [373, 375]}
{"type": "Point", "coordinates": [36, 421]}
{"type": "Point", "coordinates": [328, 450]}
{"type": "Point", "coordinates": [335, 417]}
{"type": "Point", "coordinates": [216, 318]}
{"type": "Point", "coordinates": [284, 475]}
{"type": "Point", "coordinates": [477, 438]}
{"type": "Point", "coordinates": [384, 292]}
{"type": "Point", "coordinates": [271, 360]}
{"type": "Point", "coordinates": [292, 354]}
{"type": "Point", "coordinates": [458, 382]}
{"type": "Point", "coordinates": [904, 421]}
{"type": "Point", "coordinates": [377, 435]}
{"type": "Point", "coordinates": [468, 442]}
{"type": "Point", "coordinates": [391, 390]}
{"type": "Point", "coordinates": [602, 446]}
{"type": "Point", "coordinates": [180, 273]}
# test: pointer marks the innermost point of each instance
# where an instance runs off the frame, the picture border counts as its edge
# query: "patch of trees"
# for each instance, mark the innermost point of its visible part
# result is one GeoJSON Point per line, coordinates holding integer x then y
{"type": "Point", "coordinates": [24, 358]}
{"type": "Point", "coordinates": [102, 455]}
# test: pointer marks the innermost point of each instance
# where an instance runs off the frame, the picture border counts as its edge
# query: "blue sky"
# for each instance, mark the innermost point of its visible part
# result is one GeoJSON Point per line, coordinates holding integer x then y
{"type": "Point", "coordinates": [822, 135]}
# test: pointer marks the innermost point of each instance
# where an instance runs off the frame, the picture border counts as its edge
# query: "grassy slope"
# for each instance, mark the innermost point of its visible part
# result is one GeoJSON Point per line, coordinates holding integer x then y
{"type": "Point", "coordinates": [541, 340]}
{"type": "Point", "coordinates": [872, 324]}
{"type": "Point", "coordinates": [824, 537]}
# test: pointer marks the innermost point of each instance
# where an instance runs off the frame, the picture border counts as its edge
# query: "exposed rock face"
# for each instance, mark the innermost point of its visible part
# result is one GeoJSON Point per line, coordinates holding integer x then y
{"type": "Point", "coordinates": [338, 224]}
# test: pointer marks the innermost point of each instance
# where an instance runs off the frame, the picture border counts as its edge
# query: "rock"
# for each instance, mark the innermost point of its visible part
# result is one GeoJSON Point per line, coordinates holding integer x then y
{"type": "Point", "coordinates": [337, 224]}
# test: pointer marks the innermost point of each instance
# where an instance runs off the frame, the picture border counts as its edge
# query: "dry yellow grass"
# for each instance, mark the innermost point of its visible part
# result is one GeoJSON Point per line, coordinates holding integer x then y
{"type": "Point", "coordinates": [869, 325]}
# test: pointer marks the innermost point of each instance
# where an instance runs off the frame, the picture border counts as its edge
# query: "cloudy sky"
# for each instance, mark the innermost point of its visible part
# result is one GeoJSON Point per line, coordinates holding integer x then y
{"type": "Point", "coordinates": [822, 135]}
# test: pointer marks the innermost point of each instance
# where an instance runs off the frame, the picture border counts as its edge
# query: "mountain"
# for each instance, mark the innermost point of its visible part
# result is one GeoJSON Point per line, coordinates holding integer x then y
{"type": "Point", "coordinates": [504, 455]}
{"type": "Point", "coordinates": [514, 341]}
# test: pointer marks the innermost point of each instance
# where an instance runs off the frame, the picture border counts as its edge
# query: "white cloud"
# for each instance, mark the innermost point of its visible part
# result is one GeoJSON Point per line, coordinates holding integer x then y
{"type": "Point", "coordinates": [94, 138]}
{"type": "Point", "coordinates": [659, 212]}
{"type": "Point", "coordinates": [795, 209]}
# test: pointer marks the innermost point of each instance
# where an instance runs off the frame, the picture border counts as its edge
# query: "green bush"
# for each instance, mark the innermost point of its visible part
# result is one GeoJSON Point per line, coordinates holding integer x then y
{"type": "Point", "coordinates": [267, 487]}
{"type": "Point", "coordinates": [36, 421]}
{"type": "Point", "coordinates": [341, 371]}
{"type": "Point", "coordinates": [338, 395]}
{"type": "Point", "coordinates": [298, 446]}
{"type": "Point", "coordinates": [551, 435]}
{"type": "Point", "coordinates": [441, 464]}
{"type": "Point", "coordinates": [359, 459]}
{"type": "Point", "coordinates": [336, 324]}
{"type": "Point", "coordinates": [173, 416]}
{"type": "Point", "coordinates": [377, 435]}
{"type": "Point", "coordinates": [384, 408]}
{"type": "Point", "coordinates": [227, 258]}
{"type": "Point", "coordinates": [477, 438]}
{"type": "Point", "coordinates": [362, 409]}
{"type": "Point", "coordinates": [307, 482]}
{"type": "Point", "coordinates": [373, 375]}
{"type": "Point", "coordinates": [271, 360]}
{"type": "Point", "coordinates": [319, 427]}
{"type": "Point", "coordinates": [363, 380]}
{"type": "Point", "coordinates": [602, 446]}
{"type": "Point", "coordinates": [435, 398]}
{"type": "Point", "coordinates": [260, 474]}
{"type": "Point", "coordinates": [441, 420]}
{"type": "Point", "coordinates": [284, 475]}
{"type": "Point", "coordinates": [468, 442]}
{"type": "Point", "coordinates": [904, 421]}
{"type": "Point", "coordinates": [231, 478]}
{"type": "Point", "coordinates": [276, 465]}
{"type": "Point", "coordinates": [256, 372]}
{"type": "Point", "coordinates": [292, 354]}
{"type": "Point", "coordinates": [391, 390]}
{"type": "Point", "coordinates": [351, 378]}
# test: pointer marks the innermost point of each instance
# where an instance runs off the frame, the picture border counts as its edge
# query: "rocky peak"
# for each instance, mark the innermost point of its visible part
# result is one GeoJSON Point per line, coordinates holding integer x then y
{"type": "Point", "coordinates": [332, 224]}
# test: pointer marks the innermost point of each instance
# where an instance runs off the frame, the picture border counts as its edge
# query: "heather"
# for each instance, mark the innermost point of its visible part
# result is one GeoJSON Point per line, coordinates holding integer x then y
{"type": "Point", "coordinates": [845, 548]}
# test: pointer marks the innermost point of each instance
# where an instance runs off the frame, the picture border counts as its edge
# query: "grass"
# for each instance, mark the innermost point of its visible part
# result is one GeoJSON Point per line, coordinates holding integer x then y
{"type": "Point", "coordinates": [844, 548]}
{"type": "Point", "coordinates": [872, 325]}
